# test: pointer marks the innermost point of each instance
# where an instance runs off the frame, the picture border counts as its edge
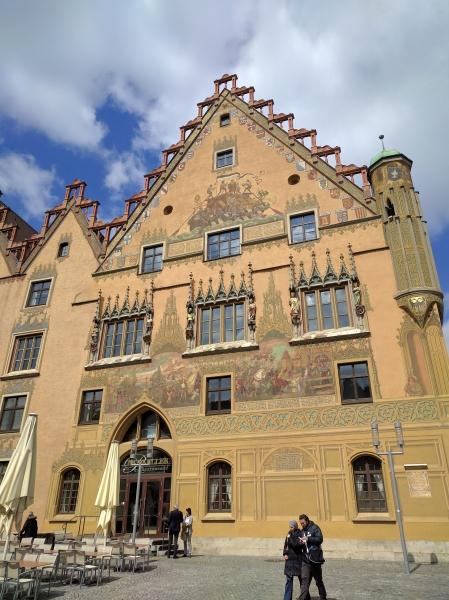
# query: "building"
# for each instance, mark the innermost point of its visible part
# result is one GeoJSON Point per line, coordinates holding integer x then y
{"type": "Point", "coordinates": [256, 306]}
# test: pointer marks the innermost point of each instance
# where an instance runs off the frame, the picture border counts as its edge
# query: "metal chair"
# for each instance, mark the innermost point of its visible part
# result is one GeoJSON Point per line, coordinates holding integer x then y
{"type": "Point", "coordinates": [49, 572]}
{"type": "Point", "coordinates": [18, 580]}
{"type": "Point", "coordinates": [132, 556]}
{"type": "Point", "coordinates": [26, 542]}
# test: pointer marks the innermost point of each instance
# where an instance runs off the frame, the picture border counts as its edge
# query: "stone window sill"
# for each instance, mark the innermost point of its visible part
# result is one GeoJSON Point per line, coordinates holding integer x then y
{"type": "Point", "coordinates": [221, 348]}
{"type": "Point", "coordinates": [329, 334]}
{"type": "Point", "coordinates": [218, 517]}
{"type": "Point", "coordinates": [20, 374]}
{"type": "Point", "coordinates": [118, 361]}
{"type": "Point", "coordinates": [373, 518]}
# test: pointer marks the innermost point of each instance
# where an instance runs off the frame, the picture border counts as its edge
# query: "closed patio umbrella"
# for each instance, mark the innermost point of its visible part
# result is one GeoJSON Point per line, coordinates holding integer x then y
{"type": "Point", "coordinates": [17, 487]}
{"type": "Point", "coordinates": [109, 491]}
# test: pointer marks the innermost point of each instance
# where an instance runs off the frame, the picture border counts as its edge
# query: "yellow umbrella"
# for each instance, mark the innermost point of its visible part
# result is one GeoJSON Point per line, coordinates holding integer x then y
{"type": "Point", "coordinates": [109, 492]}
{"type": "Point", "coordinates": [17, 487]}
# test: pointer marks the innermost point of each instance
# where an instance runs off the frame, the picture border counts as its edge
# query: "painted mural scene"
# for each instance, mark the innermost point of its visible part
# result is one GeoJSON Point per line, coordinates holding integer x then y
{"type": "Point", "coordinates": [236, 361]}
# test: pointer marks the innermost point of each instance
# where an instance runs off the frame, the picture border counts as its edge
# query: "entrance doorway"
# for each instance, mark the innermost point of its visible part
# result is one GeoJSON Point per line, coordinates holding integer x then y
{"type": "Point", "coordinates": [154, 497]}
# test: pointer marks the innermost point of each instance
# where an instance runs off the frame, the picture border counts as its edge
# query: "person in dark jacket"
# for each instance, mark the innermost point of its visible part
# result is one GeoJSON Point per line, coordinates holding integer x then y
{"type": "Point", "coordinates": [175, 518]}
{"type": "Point", "coordinates": [311, 539]}
{"type": "Point", "coordinates": [29, 529]}
{"type": "Point", "coordinates": [293, 558]}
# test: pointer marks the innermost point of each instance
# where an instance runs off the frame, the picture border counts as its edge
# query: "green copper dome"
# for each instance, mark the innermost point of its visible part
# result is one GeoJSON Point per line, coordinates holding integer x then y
{"type": "Point", "coordinates": [383, 154]}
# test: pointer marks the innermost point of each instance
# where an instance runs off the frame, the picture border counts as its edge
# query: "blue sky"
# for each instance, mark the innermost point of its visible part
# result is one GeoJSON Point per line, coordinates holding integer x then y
{"type": "Point", "coordinates": [94, 89]}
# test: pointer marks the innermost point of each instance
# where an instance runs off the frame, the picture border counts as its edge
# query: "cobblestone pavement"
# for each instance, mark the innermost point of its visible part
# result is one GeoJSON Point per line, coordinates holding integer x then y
{"type": "Point", "coordinates": [245, 578]}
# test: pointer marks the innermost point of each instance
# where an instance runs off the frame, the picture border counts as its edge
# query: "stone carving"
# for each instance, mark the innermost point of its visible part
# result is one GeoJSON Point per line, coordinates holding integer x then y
{"type": "Point", "coordinates": [419, 306]}
{"type": "Point", "coordinates": [190, 307]}
{"type": "Point", "coordinates": [288, 459]}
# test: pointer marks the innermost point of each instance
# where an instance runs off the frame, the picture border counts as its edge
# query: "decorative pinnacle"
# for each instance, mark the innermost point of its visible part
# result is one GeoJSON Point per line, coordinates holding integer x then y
{"type": "Point", "coordinates": [381, 137]}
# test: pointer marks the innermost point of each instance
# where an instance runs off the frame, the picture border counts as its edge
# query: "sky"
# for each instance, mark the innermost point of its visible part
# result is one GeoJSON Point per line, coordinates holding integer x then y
{"type": "Point", "coordinates": [94, 89]}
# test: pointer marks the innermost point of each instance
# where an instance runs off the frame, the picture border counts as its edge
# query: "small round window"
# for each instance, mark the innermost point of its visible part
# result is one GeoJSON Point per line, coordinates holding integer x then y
{"type": "Point", "coordinates": [293, 179]}
{"type": "Point", "coordinates": [168, 210]}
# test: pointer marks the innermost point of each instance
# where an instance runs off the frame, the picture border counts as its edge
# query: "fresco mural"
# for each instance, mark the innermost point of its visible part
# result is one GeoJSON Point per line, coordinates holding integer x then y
{"type": "Point", "coordinates": [231, 198]}
{"type": "Point", "coordinates": [277, 370]}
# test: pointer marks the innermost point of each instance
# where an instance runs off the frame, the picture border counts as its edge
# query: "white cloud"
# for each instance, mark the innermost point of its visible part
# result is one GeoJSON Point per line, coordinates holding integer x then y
{"type": "Point", "coordinates": [20, 176]}
{"type": "Point", "coordinates": [123, 169]}
{"type": "Point", "coordinates": [351, 69]}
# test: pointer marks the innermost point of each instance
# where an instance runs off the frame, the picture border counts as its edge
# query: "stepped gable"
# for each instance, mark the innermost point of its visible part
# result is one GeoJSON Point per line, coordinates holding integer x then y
{"type": "Point", "coordinates": [24, 240]}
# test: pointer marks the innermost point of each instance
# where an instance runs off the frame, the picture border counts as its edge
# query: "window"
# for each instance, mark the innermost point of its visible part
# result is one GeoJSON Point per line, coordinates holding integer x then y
{"type": "Point", "coordinates": [145, 425]}
{"type": "Point", "coordinates": [38, 293]}
{"type": "Point", "coordinates": [303, 228]}
{"type": "Point", "coordinates": [326, 309]}
{"type": "Point", "coordinates": [224, 243]}
{"type": "Point", "coordinates": [68, 493]}
{"type": "Point", "coordinates": [218, 391]}
{"type": "Point", "coordinates": [369, 484]}
{"type": "Point", "coordinates": [224, 158]}
{"type": "Point", "coordinates": [123, 338]}
{"type": "Point", "coordinates": [3, 467]}
{"type": "Point", "coordinates": [225, 323]}
{"type": "Point", "coordinates": [225, 120]}
{"type": "Point", "coordinates": [219, 487]}
{"type": "Point", "coordinates": [63, 249]}
{"type": "Point", "coordinates": [152, 259]}
{"type": "Point", "coordinates": [91, 407]}
{"type": "Point", "coordinates": [12, 412]}
{"type": "Point", "coordinates": [26, 352]}
{"type": "Point", "coordinates": [354, 383]}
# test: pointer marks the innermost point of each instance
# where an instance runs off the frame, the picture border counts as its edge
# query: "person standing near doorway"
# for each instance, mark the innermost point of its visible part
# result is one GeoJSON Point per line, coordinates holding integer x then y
{"type": "Point", "coordinates": [175, 518]}
{"type": "Point", "coordinates": [188, 528]}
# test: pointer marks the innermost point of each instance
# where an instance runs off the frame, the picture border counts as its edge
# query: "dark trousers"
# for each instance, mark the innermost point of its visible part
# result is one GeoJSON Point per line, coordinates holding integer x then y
{"type": "Point", "coordinates": [308, 572]}
{"type": "Point", "coordinates": [173, 541]}
{"type": "Point", "coordinates": [288, 594]}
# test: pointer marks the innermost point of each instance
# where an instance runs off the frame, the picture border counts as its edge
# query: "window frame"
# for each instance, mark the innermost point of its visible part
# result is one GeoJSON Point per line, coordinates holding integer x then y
{"type": "Point", "coordinates": [219, 376]}
{"type": "Point", "coordinates": [29, 292]}
{"type": "Point", "coordinates": [14, 346]}
{"type": "Point", "coordinates": [223, 117]}
{"type": "Point", "coordinates": [83, 404]}
{"type": "Point", "coordinates": [370, 508]}
{"type": "Point", "coordinates": [2, 408]}
{"type": "Point", "coordinates": [317, 291]}
{"type": "Point", "coordinates": [302, 213]}
{"type": "Point", "coordinates": [62, 246]}
{"type": "Point", "coordinates": [59, 500]}
{"type": "Point", "coordinates": [123, 336]}
{"type": "Point", "coordinates": [221, 306]}
{"type": "Point", "coordinates": [219, 232]}
{"type": "Point", "coordinates": [142, 257]}
{"type": "Point", "coordinates": [220, 477]}
{"type": "Point", "coordinates": [223, 151]}
{"type": "Point", "coordinates": [344, 401]}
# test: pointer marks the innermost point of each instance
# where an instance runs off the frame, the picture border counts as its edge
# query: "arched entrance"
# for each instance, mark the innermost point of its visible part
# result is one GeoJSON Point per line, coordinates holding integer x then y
{"type": "Point", "coordinates": [155, 484]}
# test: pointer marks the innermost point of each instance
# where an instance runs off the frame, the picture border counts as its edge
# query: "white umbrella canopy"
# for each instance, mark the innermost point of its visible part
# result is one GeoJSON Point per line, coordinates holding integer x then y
{"type": "Point", "coordinates": [108, 496]}
{"type": "Point", "coordinates": [17, 487]}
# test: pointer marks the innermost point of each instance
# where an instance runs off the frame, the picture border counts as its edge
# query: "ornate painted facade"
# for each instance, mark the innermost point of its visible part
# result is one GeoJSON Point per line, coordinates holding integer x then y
{"type": "Point", "coordinates": [255, 307]}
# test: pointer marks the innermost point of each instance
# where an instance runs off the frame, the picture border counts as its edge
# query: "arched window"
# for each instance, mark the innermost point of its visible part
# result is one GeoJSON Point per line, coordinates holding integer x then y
{"type": "Point", "coordinates": [389, 208]}
{"type": "Point", "coordinates": [147, 424]}
{"type": "Point", "coordinates": [369, 484]}
{"type": "Point", "coordinates": [219, 487]}
{"type": "Point", "coordinates": [68, 492]}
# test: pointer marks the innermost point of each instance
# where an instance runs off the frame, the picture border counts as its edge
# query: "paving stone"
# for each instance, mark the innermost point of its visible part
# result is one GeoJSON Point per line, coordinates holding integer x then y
{"type": "Point", "coordinates": [246, 578]}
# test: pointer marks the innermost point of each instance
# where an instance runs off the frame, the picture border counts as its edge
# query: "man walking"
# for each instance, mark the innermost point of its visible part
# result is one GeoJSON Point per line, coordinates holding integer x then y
{"type": "Point", "coordinates": [175, 518]}
{"type": "Point", "coordinates": [312, 557]}
{"type": "Point", "coordinates": [293, 558]}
